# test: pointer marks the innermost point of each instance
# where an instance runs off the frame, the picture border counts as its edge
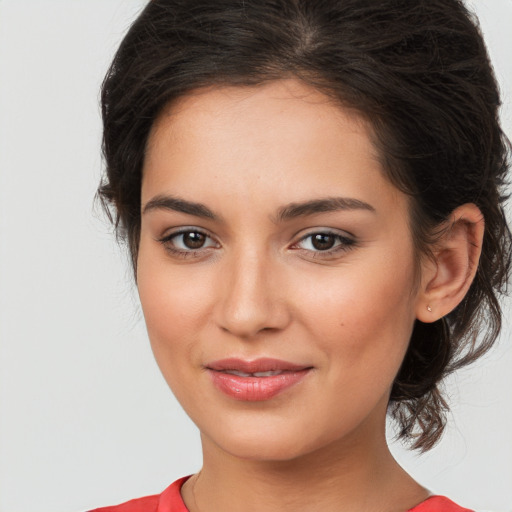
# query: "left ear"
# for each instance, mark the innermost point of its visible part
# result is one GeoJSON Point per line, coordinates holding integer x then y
{"type": "Point", "coordinates": [447, 276]}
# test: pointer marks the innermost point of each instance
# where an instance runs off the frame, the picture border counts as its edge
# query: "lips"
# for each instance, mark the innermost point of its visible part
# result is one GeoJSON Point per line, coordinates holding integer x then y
{"type": "Point", "coordinates": [255, 374]}
{"type": "Point", "coordinates": [258, 380]}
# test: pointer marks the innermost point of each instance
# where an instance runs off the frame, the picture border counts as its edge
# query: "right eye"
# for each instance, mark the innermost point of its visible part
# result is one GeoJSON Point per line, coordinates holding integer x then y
{"type": "Point", "coordinates": [187, 242]}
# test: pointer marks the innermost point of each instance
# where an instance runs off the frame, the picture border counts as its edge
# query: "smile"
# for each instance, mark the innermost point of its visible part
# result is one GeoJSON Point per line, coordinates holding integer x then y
{"type": "Point", "coordinates": [255, 374]}
{"type": "Point", "coordinates": [257, 380]}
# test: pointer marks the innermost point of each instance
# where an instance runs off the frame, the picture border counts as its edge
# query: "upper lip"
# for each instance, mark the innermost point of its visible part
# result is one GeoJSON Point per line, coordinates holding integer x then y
{"type": "Point", "coordinates": [255, 366]}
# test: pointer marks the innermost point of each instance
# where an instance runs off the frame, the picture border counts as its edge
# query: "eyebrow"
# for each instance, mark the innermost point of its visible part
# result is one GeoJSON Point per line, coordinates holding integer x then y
{"type": "Point", "coordinates": [330, 204]}
{"type": "Point", "coordinates": [288, 212]}
{"type": "Point", "coordinates": [179, 205]}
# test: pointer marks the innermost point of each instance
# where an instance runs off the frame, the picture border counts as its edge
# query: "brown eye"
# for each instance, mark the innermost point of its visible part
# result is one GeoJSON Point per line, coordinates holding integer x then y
{"type": "Point", "coordinates": [187, 241]}
{"type": "Point", "coordinates": [323, 241]}
{"type": "Point", "coordinates": [193, 239]}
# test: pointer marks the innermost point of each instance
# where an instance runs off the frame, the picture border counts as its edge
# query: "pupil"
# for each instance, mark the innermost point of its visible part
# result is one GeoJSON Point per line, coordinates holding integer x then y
{"type": "Point", "coordinates": [323, 241]}
{"type": "Point", "coordinates": [194, 240]}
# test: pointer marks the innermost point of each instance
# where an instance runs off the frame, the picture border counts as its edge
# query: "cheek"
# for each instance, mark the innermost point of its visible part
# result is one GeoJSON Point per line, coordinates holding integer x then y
{"type": "Point", "coordinates": [361, 315]}
{"type": "Point", "coordinates": [174, 303]}
{"type": "Point", "coordinates": [172, 313]}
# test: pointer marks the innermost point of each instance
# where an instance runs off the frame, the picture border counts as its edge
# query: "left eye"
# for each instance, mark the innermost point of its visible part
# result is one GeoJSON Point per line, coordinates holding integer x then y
{"type": "Point", "coordinates": [323, 241]}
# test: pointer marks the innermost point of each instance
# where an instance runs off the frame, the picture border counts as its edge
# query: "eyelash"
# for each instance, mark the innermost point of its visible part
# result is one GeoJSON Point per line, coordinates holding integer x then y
{"type": "Point", "coordinates": [342, 244]}
{"type": "Point", "coordinates": [167, 240]}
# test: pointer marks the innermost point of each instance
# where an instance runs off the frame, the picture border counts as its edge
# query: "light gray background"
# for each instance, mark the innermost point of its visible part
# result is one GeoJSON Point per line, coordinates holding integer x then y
{"type": "Point", "coordinates": [86, 420]}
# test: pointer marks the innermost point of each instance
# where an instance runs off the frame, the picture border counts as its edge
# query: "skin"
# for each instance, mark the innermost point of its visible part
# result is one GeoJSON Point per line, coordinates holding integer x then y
{"type": "Point", "coordinates": [259, 287]}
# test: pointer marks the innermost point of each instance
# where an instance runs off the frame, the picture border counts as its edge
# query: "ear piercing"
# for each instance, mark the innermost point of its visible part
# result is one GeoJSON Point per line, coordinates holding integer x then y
{"type": "Point", "coordinates": [429, 309]}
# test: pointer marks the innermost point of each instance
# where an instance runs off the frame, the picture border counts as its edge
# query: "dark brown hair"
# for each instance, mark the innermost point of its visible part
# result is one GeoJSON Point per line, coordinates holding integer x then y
{"type": "Point", "coordinates": [417, 70]}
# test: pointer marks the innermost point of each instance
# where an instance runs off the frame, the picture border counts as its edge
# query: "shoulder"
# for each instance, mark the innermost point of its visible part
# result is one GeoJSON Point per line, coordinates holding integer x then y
{"type": "Point", "coordinates": [438, 504]}
{"type": "Point", "coordinates": [169, 501]}
{"type": "Point", "coordinates": [146, 504]}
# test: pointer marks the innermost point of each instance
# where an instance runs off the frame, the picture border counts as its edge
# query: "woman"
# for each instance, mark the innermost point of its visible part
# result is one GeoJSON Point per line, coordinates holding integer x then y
{"type": "Point", "coordinates": [311, 193]}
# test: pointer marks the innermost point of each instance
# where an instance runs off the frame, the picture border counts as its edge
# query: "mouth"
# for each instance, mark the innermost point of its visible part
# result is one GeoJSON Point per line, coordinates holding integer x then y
{"type": "Point", "coordinates": [255, 381]}
{"type": "Point", "coordinates": [270, 373]}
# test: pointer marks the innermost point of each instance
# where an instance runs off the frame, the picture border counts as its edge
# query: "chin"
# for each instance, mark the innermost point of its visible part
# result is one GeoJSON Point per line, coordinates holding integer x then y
{"type": "Point", "coordinates": [265, 450]}
{"type": "Point", "coordinates": [275, 444]}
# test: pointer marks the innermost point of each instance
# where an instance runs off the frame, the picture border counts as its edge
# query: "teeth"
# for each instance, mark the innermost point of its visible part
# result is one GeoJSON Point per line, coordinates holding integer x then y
{"type": "Point", "coordinates": [239, 374]}
{"type": "Point", "coordinates": [267, 374]}
{"type": "Point", "coordinates": [255, 374]}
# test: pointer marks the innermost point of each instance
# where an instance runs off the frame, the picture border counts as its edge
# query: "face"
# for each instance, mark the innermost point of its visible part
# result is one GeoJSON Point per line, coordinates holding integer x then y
{"type": "Point", "coordinates": [275, 269]}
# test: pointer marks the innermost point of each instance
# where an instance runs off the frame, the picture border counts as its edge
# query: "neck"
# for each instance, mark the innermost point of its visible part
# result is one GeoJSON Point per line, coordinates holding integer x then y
{"type": "Point", "coordinates": [353, 475]}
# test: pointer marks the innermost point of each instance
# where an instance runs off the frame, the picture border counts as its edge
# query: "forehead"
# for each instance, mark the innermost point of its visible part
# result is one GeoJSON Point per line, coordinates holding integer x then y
{"type": "Point", "coordinates": [281, 136]}
{"type": "Point", "coordinates": [287, 104]}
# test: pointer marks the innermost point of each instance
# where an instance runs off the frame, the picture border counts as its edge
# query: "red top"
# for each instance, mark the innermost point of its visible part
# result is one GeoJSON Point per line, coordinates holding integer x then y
{"type": "Point", "coordinates": [170, 501]}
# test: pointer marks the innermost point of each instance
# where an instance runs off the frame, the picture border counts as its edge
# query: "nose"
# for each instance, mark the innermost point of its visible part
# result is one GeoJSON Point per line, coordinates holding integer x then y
{"type": "Point", "coordinates": [252, 297]}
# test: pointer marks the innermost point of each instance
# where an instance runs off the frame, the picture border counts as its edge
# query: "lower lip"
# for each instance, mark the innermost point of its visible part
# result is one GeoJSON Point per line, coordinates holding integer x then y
{"type": "Point", "coordinates": [255, 389]}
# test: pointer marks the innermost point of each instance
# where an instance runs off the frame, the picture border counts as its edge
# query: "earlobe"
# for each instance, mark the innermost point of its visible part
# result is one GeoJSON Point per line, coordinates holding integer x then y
{"type": "Point", "coordinates": [446, 277]}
